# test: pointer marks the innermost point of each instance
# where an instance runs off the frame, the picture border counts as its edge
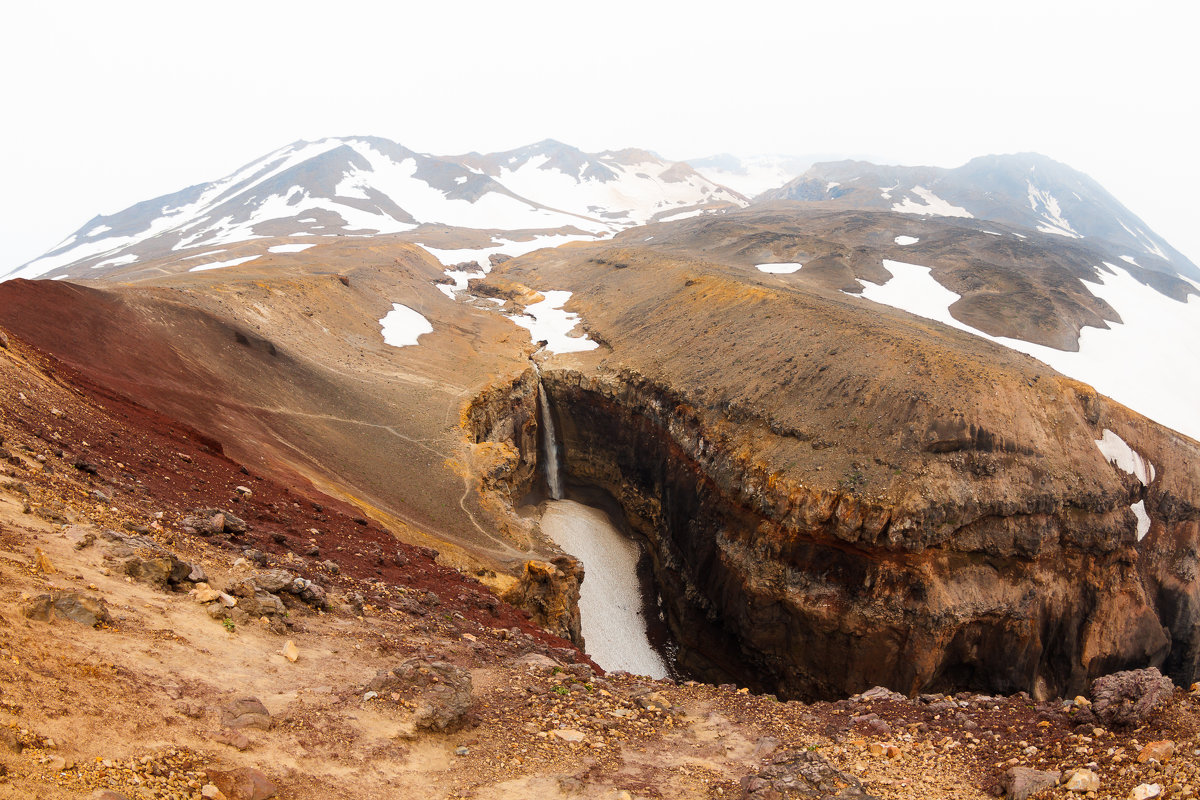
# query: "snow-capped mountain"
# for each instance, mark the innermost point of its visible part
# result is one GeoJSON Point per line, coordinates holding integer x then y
{"type": "Point", "coordinates": [367, 185]}
{"type": "Point", "coordinates": [1026, 190]}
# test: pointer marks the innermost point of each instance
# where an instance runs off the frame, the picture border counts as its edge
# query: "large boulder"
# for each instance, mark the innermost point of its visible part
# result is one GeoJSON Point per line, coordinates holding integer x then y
{"type": "Point", "coordinates": [1129, 697]}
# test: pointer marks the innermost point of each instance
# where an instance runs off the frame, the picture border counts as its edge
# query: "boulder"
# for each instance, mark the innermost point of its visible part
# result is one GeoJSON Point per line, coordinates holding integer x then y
{"type": "Point", "coordinates": [442, 691]}
{"type": "Point", "coordinates": [246, 712]}
{"type": "Point", "coordinates": [1082, 781]}
{"type": "Point", "coordinates": [90, 611]}
{"type": "Point", "coordinates": [1018, 783]}
{"type": "Point", "coordinates": [274, 580]}
{"type": "Point", "coordinates": [1129, 697]}
{"type": "Point", "coordinates": [802, 773]}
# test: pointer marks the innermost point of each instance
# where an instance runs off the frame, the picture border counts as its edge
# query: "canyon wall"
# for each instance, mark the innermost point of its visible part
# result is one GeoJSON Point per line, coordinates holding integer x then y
{"type": "Point", "coordinates": [822, 593]}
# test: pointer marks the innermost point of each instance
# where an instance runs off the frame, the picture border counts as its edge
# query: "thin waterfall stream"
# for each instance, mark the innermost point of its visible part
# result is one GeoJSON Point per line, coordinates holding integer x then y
{"type": "Point", "coordinates": [611, 605]}
{"type": "Point", "coordinates": [550, 448]}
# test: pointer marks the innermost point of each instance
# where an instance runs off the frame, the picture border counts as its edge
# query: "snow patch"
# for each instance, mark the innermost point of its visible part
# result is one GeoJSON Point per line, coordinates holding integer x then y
{"type": "Point", "coordinates": [289, 248]}
{"type": "Point", "coordinates": [682, 215]}
{"type": "Point", "coordinates": [402, 326]}
{"type": "Point", "coordinates": [96, 231]}
{"type": "Point", "coordinates": [1143, 519]}
{"type": "Point", "coordinates": [781, 268]}
{"type": "Point", "coordinates": [233, 262]}
{"type": "Point", "coordinates": [906, 240]}
{"type": "Point", "coordinates": [1041, 201]}
{"type": "Point", "coordinates": [932, 205]}
{"type": "Point", "coordinates": [128, 258]}
{"type": "Point", "coordinates": [1117, 452]}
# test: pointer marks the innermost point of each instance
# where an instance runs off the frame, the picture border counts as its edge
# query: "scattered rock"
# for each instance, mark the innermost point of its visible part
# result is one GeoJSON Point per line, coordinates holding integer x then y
{"type": "Point", "coordinates": [107, 794]}
{"type": "Point", "coordinates": [462, 751]}
{"type": "Point", "coordinates": [1145, 791]}
{"type": "Point", "coordinates": [1161, 751]}
{"type": "Point", "coordinates": [246, 783]}
{"type": "Point", "coordinates": [209, 791]}
{"type": "Point", "coordinates": [290, 651]}
{"type": "Point", "coordinates": [244, 491]}
{"type": "Point", "coordinates": [1129, 697]}
{"type": "Point", "coordinates": [536, 661]}
{"type": "Point", "coordinates": [246, 712]}
{"type": "Point", "coordinates": [569, 734]}
{"type": "Point", "coordinates": [1018, 783]}
{"type": "Point", "coordinates": [796, 773]}
{"type": "Point", "coordinates": [1082, 780]}
{"type": "Point", "coordinates": [86, 466]}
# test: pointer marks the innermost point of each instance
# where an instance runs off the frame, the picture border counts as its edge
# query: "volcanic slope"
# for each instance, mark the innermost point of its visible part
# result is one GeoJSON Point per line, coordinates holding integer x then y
{"type": "Point", "coordinates": [283, 361]}
{"type": "Point", "coordinates": [838, 493]}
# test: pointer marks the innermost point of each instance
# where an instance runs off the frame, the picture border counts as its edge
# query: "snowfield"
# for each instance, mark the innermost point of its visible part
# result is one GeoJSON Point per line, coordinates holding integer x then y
{"type": "Point", "coordinates": [610, 600]}
{"type": "Point", "coordinates": [547, 321]}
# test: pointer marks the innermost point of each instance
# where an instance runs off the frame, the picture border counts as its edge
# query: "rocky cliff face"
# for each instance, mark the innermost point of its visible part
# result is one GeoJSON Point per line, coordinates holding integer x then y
{"type": "Point", "coordinates": [811, 592]}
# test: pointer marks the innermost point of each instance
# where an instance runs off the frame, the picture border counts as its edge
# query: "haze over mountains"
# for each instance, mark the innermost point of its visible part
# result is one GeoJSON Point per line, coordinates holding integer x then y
{"type": "Point", "coordinates": [550, 192]}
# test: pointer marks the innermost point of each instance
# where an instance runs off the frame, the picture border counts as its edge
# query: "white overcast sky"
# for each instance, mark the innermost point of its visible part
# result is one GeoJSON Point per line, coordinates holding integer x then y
{"type": "Point", "coordinates": [110, 103]}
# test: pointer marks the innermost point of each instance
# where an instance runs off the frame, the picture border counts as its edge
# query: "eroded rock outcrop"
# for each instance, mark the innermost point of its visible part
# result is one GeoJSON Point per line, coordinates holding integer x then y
{"type": "Point", "coordinates": [549, 591]}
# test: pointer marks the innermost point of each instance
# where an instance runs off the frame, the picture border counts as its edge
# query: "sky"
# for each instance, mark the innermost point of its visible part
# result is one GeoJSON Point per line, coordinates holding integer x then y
{"type": "Point", "coordinates": [108, 104]}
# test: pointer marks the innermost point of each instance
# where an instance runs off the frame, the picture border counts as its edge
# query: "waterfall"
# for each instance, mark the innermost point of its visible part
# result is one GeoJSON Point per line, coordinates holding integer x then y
{"type": "Point", "coordinates": [549, 447]}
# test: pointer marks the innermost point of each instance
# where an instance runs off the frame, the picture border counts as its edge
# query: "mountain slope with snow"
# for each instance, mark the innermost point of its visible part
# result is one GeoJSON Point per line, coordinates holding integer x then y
{"type": "Point", "coordinates": [368, 185]}
{"type": "Point", "coordinates": [1025, 190]}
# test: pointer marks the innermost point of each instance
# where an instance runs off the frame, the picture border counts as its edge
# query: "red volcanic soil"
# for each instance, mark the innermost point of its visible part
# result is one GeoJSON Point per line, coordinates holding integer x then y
{"type": "Point", "coordinates": [147, 463]}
